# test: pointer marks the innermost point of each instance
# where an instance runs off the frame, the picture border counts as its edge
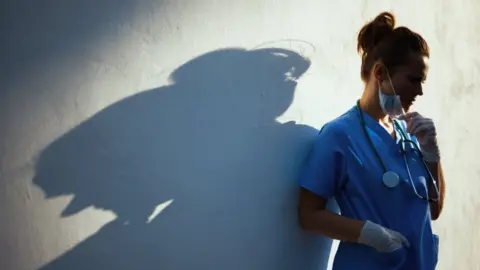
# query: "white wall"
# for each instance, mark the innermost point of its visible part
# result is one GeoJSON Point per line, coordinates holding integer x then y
{"type": "Point", "coordinates": [153, 135]}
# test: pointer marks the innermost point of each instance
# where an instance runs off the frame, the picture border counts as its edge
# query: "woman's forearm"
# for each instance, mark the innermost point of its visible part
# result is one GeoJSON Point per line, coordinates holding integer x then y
{"type": "Point", "coordinates": [437, 173]}
{"type": "Point", "coordinates": [333, 225]}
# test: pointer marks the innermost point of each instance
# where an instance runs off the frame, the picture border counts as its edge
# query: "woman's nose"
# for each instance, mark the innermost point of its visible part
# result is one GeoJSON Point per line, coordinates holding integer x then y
{"type": "Point", "coordinates": [419, 90]}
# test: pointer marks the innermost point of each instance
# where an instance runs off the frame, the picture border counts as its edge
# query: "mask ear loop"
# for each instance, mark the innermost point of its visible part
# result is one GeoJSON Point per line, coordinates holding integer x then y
{"type": "Point", "coordinates": [393, 89]}
{"type": "Point", "coordinates": [403, 113]}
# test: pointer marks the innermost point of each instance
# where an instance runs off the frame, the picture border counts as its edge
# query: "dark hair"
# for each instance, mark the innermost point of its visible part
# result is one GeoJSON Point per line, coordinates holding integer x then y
{"type": "Point", "coordinates": [379, 40]}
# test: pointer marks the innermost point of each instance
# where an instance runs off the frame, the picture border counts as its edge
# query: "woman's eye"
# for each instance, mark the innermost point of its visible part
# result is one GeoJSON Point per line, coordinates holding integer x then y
{"type": "Point", "coordinates": [417, 79]}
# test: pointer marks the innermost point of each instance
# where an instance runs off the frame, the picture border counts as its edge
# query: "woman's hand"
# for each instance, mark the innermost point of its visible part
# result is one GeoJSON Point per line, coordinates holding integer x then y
{"type": "Point", "coordinates": [424, 130]}
{"type": "Point", "coordinates": [381, 239]}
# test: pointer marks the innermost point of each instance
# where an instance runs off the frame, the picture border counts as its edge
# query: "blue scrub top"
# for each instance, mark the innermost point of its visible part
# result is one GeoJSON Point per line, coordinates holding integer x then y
{"type": "Point", "coordinates": [342, 165]}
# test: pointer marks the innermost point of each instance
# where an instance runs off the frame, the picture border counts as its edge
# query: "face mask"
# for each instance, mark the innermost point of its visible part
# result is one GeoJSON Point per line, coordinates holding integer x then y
{"type": "Point", "coordinates": [390, 104]}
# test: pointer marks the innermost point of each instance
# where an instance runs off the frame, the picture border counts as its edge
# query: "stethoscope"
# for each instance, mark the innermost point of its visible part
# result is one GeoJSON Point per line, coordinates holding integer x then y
{"type": "Point", "coordinates": [390, 178]}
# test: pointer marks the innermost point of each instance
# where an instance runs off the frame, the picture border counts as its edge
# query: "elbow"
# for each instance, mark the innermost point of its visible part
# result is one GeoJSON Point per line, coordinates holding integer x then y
{"type": "Point", "coordinates": [435, 211]}
{"type": "Point", "coordinates": [307, 221]}
{"type": "Point", "coordinates": [303, 221]}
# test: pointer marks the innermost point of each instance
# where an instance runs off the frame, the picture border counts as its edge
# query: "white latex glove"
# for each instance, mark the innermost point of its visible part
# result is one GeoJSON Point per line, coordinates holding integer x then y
{"type": "Point", "coordinates": [381, 238]}
{"type": "Point", "coordinates": [424, 130]}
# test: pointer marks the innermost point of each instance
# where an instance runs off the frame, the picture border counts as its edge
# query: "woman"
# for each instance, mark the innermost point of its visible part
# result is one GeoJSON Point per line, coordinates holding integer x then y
{"type": "Point", "coordinates": [361, 158]}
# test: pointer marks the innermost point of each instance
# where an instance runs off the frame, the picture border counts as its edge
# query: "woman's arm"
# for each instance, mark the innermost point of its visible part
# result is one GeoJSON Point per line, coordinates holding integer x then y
{"type": "Point", "coordinates": [315, 217]}
{"type": "Point", "coordinates": [437, 173]}
{"type": "Point", "coordinates": [424, 129]}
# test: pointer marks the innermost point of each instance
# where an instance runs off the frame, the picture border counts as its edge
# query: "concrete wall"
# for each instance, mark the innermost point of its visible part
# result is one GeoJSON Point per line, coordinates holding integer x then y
{"type": "Point", "coordinates": [168, 134]}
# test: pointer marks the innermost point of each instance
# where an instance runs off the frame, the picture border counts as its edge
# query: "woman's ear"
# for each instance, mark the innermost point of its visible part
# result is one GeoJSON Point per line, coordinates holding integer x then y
{"type": "Point", "coordinates": [379, 72]}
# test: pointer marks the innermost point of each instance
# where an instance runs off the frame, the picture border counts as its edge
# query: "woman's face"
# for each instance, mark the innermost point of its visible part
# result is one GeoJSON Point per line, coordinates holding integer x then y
{"type": "Point", "coordinates": [407, 80]}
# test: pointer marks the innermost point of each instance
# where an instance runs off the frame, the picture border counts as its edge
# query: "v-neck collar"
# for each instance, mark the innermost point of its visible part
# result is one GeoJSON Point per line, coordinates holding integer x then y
{"type": "Point", "coordinates": [380, 131]}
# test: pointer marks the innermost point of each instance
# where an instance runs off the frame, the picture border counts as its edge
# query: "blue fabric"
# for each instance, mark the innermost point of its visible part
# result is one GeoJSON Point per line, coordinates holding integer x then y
{"type": "Point", "coordinates": [342, 165]}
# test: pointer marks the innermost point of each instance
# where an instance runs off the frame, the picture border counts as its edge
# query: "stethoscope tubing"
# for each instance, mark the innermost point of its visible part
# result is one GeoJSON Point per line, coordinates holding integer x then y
{"type": "Point", "coordinates": [404, 141]}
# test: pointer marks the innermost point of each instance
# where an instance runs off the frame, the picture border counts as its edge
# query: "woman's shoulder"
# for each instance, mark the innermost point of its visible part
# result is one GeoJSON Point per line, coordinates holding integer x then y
{"type": "Point", "coordinates": [341, 125]}
{"type": "Point", "coordinates": [334, 130]}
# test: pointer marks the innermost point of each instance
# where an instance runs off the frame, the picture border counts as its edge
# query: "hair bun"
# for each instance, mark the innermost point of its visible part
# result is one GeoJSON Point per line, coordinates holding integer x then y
{"type": "Point", "coordinates": [374, 31]}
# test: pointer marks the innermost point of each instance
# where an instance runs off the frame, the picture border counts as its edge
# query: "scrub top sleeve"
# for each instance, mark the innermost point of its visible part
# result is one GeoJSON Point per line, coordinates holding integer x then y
{"type": "Point", "coordinates": [324, 169]}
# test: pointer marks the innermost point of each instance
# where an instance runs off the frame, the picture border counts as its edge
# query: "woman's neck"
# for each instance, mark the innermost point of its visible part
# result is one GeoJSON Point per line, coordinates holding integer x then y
{"type": "Point", "coordinates": [369, 103]}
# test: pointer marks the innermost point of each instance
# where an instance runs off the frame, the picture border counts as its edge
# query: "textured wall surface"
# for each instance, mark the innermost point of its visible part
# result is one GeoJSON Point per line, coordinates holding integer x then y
{"type": "Point", "coordinates": [168, 134]}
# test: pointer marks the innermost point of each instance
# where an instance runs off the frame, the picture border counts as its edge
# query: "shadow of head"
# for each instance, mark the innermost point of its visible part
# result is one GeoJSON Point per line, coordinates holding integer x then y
{"type": "Point", "coordinates": [209, 146]}
{"type": "Point", "coordinates": [123, 147]}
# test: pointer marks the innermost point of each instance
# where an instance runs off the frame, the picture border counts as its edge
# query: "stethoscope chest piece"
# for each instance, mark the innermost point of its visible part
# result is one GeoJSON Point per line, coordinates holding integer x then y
{"type": "Point", "coordinates": [391, 179]}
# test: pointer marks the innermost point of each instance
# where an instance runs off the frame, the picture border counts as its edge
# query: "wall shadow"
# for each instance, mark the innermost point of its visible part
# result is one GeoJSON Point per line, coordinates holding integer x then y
{"type": "Point", "coordinates": [209, 146]}
{"type": "Point", "coordinates": [35, 33]}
